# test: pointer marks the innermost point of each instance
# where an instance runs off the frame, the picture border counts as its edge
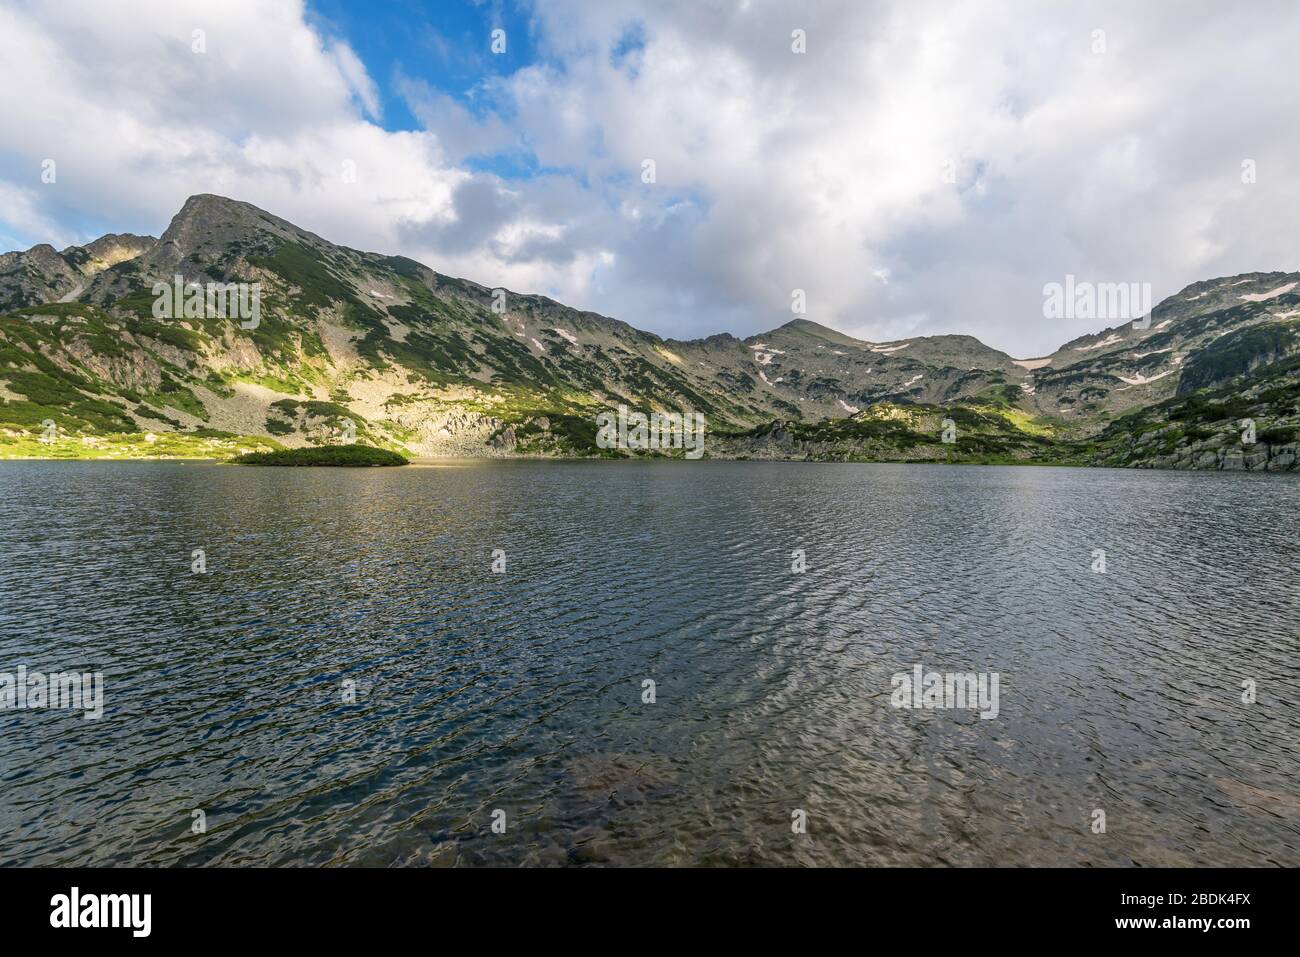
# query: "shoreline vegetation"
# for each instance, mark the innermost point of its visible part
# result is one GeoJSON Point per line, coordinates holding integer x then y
{"type": "Point", "coordinates": [334, 456]}
{"type": "Point", "coordinates": [345, 456]}
{"type": "Point", "coordinates": [1197, 433]}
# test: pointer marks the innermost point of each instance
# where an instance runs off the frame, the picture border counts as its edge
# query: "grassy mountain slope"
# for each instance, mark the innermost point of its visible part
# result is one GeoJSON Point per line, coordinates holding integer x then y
{"type": "Point", "coordinates": [385, 350]}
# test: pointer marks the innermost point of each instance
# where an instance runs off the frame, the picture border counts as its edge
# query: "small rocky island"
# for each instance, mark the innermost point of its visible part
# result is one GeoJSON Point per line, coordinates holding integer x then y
{"type": "Point", "coordinates": [335, 455]}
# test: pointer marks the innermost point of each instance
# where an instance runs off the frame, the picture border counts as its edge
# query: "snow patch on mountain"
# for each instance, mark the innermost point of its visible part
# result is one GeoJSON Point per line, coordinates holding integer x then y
{"type": "Point", "coordinates": [1108, 341]}
{"type": "Point", "coordinates": [1271, 294]}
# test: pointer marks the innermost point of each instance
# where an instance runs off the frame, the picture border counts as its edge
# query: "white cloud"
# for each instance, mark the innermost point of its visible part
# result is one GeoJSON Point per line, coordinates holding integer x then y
{"type": "Point", "coordinates": [23, 213]}
{"type": "Point", "coordinates": [823, 171]}
{"type": "Point", "coordinates": [137, 121]}
{"type": "Point", "coordinates": [354, 71]}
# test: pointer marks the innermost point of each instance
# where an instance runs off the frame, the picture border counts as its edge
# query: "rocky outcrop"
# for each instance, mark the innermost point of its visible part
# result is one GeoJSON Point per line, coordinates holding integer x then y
{"type": "Point", "coordinates": [1224, 451]}
{"type": "Point", "coordinates": [133, 369]}
{"type": "Point", "coordinates": [1212, 455]}
{"type": "Point", "coordinates": [440, 431]}
{"type": "Point", "coordinates": [43, 274]}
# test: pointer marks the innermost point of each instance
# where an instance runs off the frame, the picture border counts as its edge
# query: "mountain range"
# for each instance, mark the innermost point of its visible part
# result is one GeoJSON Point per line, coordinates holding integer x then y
{"type": "Point", "coordinates": [431, 365]}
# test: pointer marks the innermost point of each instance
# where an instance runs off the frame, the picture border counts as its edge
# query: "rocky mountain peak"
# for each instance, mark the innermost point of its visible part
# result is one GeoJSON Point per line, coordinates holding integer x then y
{"type": "Point", "coordinates": [207, 224]}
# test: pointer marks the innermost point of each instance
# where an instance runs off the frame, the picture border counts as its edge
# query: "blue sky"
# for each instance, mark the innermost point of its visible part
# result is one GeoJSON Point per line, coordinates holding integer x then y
{"type": "Point", "coordinates": [917, 167]}
{"type": "Point", "coordinates": [447, 45]}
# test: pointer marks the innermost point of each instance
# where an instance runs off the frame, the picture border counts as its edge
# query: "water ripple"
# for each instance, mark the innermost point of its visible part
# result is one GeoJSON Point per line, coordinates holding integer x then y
{"type": "Point", "coordinates": [227, 692]}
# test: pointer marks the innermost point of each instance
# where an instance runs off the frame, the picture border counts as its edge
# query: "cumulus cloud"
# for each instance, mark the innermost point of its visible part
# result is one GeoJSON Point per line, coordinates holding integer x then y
{"type": "Point", "coordinates": [24, 213]}
{"type": "Point", "coordinates": [460, 132]}
{"type": "Point", "coordinates": [971, 153]}
{"type": "Point", "coordinates": [266, 110]}
{"type": "Point", "coordinates": [923, 168]}
{"type": "Point", "coordinates": [354, 72]}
